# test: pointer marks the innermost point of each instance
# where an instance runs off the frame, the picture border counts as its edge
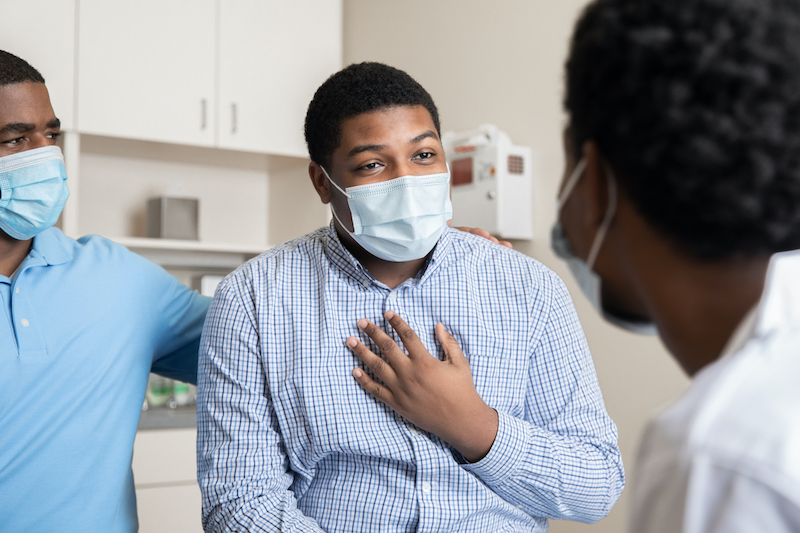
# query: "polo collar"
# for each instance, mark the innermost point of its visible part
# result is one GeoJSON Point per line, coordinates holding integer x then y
{"type": "Point", "coordinates": [51, 246]}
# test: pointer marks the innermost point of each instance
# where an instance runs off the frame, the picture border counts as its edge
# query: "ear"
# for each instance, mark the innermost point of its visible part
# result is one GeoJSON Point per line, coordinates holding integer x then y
{"type": "Point", "coordinates": [320, 182]}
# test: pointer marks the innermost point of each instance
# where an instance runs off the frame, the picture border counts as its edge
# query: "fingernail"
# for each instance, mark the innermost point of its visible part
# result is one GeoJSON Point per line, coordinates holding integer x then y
{"type": "Point", "coordinates": [357, 373]}
{"type": "Point", "coordinates": [351, 342]}
{"type": "Point", "coordinates": [388, 315]}
{"type": "Point", "coordinates": [362, 323]}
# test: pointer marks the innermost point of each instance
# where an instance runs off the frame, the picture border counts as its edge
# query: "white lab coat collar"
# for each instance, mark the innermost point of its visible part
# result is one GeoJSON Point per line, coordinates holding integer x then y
{"type": "Point", "coordinates": [780, 304]}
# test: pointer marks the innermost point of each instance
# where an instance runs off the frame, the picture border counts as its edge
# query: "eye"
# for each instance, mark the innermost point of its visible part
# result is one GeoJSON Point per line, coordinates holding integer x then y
{"type": "Point", "coordinates": [424, 156]}
{"type": "Point", "coordinates": [369, 166]}
{"type": "Point", "coordinates": [54, 135]}
{"type": "Point", "coordinates": [13, 142]}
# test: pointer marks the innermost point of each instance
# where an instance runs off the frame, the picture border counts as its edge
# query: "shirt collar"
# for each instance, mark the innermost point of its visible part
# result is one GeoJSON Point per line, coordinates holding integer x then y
{"type": "Point", "coordinates": [341, 258]}
{"type": "Point", "coordinates": [50, 246]}
{"type": "Point", "coordinates": [780, 303]}
{"type": "Point", "coordinates": [779, 306]}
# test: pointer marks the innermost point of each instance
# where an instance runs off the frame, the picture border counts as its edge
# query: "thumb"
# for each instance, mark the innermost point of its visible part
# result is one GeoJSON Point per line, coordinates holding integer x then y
{"type": "Point", "coordinates": [451, 349]}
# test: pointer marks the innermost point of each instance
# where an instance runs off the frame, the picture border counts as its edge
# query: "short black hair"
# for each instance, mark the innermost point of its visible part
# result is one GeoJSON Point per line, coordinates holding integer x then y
{"type": "Point", "coordinates": [357, 89]}
{"type": "Point", "coordinates": [696, 105]}
{"type": "Point", "coordinates": [16, 70]}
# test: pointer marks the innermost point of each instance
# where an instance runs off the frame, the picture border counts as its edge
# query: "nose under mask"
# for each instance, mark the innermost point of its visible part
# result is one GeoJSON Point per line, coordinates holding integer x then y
{"type": "Point", "coordinates": [400, 219]}
{"type": "Point", "coordinates": [33, 191]}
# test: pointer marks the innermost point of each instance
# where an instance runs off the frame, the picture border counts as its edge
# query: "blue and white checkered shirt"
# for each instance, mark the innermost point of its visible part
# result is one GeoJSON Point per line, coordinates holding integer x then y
{"type": "Point", "coordinates": [288, 440]}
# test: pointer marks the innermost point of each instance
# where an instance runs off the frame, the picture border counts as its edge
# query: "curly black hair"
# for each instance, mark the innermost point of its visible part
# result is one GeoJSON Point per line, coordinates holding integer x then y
{"type": "Point", "coordinates": [696, 105]}
{"type": "Point", "coordinates": [16, 70]}
{"type": "Point", "coordinates": [357, 89]}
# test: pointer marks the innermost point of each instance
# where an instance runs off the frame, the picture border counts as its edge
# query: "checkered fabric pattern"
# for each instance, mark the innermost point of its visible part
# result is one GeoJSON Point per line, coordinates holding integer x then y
{"type": "Point", "coordinates": [288, 440]}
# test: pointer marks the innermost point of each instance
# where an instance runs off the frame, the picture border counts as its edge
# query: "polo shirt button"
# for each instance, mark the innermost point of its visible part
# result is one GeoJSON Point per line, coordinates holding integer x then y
{"type": "Point", "coordinates": [426, 488]}
{"type": "Point", "coordinates": [25, 322]}
{"type": "Point", "coordinates": [17, 291]}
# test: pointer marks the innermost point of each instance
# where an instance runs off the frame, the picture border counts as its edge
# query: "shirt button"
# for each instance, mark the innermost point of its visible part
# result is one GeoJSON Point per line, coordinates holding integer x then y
{"type": "Point", "coordinates": [413, 431]}
{"type": "Point", "coordinates": [366, 283]}
{"type": "Point", "coordinates": [393, 297]}
{"type": "Point", "coordinates": [426, 488]}
{"type": "Point", "coordinates": [25, 322]}
{"type": "Point", "coordinates": [17, 291]}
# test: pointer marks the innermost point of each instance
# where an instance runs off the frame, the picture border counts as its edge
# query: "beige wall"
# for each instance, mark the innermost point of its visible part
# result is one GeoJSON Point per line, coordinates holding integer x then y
{"type": "Point", "coordinates": [501, 62]}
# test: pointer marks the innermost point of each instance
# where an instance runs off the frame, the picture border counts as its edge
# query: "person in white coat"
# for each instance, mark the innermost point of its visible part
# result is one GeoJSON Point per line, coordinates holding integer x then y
{"type": "Point", "coordinates": [679, 214]}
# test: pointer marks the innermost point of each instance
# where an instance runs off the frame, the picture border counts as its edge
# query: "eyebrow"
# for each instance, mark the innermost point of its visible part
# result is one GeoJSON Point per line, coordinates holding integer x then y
{"type": "Point", "coordinates": [377, 147]}
{"type": "Point", "coordinates": [427, 135]}
{"type": "Point", "coordinates": [24, 127]}
{"type": "Point", "coordinates": [365, 148]}
{"type": "Point", "coordinates": [17, 127]}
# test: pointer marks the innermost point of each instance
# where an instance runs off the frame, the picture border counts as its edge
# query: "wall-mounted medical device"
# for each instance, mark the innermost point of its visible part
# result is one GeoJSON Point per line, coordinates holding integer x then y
{"type": "Point", "coordinates": [491, 182]}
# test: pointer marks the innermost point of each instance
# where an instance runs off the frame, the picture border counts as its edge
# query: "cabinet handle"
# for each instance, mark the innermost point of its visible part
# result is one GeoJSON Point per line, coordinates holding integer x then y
{"type": "Point", "coordinates": [234, 119]}
{"type": "Point", "coordinates": [202, 113]}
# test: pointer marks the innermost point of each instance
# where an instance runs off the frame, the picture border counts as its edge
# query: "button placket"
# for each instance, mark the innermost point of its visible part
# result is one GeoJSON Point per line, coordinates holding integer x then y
{"type": "Point", "coordinates": [390, 304]}
{"type": "Point", "coordinates": [30, 339]}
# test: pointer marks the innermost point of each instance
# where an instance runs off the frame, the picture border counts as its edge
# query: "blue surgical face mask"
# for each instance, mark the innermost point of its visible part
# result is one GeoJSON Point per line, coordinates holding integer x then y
{"type": "Point", "coordinates": [33, 191]}
{"type": "Point", "coordinates": [400, 219]}
{"type": "Point", "coordinates": [588, 280]}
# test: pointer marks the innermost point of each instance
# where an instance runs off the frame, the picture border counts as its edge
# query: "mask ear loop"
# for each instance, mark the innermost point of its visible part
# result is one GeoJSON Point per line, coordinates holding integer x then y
{"type": "Point", "coordinates": [573, 180]}
{"type": "Point", "coordinates": [612, 209]}
{"type": "Point", "coordinates": [333, 182]}
{"type": "Point", "coordinates": [332, 209]}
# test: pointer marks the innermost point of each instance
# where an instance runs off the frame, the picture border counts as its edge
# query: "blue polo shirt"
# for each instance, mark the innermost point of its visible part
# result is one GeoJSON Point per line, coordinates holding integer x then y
{"type": "Point", "coordinates": [82, 323]}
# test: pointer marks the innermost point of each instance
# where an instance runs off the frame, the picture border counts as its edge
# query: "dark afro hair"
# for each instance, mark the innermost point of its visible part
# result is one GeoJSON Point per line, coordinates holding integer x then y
{"type": "Point", "coordinates": [359, 88]}
{"type": "Point", "coordinates": [696, 104]}
{"type": "Point", "coordinates": [16, 70]}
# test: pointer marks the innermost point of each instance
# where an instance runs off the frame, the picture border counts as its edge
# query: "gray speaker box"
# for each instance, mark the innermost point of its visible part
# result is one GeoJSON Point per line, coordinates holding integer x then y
{"type": "Point", "coordinates": [172, 218]}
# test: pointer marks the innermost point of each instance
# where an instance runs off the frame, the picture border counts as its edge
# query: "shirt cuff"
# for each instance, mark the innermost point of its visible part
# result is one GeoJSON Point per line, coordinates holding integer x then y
{"type": "Point", "coordinates": [506, 453]}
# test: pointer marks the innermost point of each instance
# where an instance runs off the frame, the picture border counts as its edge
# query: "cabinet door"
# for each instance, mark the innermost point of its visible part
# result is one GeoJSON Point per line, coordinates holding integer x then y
{"type": "Point", "coordinates": [50, 49]}
{"type": "Point", "coordinates": [146, 70]}
{"type": "Point", "coordinates": [165, 472]}
{"type": "Point", "coordinates": [273, 56]}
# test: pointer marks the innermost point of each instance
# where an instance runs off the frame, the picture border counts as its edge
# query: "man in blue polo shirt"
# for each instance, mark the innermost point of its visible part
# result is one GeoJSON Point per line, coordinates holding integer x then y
{"type": "Point", "coordinates": [82, 324]}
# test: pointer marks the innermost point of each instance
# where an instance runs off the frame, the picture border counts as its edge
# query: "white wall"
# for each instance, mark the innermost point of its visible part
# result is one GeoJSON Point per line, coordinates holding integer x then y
{"type": "Point", "coordinates": [501, 62]}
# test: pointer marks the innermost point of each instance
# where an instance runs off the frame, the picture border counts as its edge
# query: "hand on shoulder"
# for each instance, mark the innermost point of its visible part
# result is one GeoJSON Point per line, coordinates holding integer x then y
{"type": "Point", "coordinates": [485, 234]}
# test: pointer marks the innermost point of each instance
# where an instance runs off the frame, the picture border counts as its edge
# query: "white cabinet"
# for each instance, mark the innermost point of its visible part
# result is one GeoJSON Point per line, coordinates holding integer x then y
{"type": "Point", "coordinates": [231, 74]}
{"type": "Point", "coordinates": [146, 70]}
{"type": "Point", "coordinates": [273, 56]}
{"type": "Point", "coordinates": [49, 48]}
{"type": "Point", "coordinates": [165, 476]}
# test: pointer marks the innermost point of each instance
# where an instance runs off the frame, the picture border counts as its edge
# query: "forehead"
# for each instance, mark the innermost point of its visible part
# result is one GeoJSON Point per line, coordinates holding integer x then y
{"type": "Point", "coordinates": [27, 103]}
{"type": "Point", "coordinates": [386, 126]}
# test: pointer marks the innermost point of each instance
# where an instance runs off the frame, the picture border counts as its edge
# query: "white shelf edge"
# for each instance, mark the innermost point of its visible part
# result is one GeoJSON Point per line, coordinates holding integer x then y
{"type": "Point", "coordinates": [142, 243]}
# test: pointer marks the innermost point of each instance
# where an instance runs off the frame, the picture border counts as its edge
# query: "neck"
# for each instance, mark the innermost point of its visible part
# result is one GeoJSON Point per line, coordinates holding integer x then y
{"type": "Point", "coordinates": [12, 253]}
{"type": "Point", "coordinates": [389, 273]}
{"type": "Point", "coordinates": [698, 306]}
